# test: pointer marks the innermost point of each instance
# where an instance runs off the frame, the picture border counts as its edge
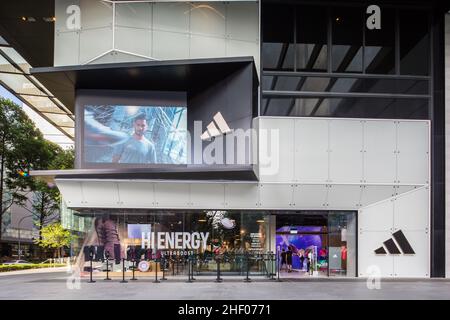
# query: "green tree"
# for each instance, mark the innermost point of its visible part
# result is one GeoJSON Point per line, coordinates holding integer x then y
{"type": "Point", "coordinates": [44, 204]}
{"type": "Point", "coordinates": [19, 140]}
{"type": "Point", "coordinates": [55, 237]}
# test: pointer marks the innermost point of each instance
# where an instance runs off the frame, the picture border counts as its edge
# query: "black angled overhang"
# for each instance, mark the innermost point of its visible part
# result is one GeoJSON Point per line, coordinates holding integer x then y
{"type": "Point", "coordinates": [169, 75]}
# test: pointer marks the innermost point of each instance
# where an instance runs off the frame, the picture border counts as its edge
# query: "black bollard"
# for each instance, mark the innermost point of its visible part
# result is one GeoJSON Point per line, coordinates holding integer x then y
{"type": "Point", "coordinates": [134, 269]}
{"type": "Point", "coordinates": [156, 272]}
{"type": "Point", "coordinates": [218, 279]}
{"type": "Point", "coordinates": [123, 271]}
{"type": "Point", "coordinates": [90, 275]}
{"type": "Point", "coordinates": [107, 268]}
{"type": "Point", "coordinates": [247, 279]}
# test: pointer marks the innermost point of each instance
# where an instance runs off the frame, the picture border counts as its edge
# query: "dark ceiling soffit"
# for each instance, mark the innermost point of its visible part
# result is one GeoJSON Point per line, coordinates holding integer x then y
{"type": "Point", "coordinates": [439, 4]}
{"type": "Point", "coordinates": [168, 75]}
{"type": "Point", "coordinates": [33, 41]}
{"type": "Point", "coordinates": [197, 173]}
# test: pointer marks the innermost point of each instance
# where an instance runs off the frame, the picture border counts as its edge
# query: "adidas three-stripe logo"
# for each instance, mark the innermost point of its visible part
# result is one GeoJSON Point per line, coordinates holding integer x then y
{"type": "Point", "coordinates": [214, 131]}
{"type": "Point", "coordinates": [391, 245]}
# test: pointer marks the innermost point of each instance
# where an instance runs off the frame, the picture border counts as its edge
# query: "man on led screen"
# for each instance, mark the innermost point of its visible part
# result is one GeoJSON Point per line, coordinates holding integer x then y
{"type": "Point", "coordinates": [137, 148]}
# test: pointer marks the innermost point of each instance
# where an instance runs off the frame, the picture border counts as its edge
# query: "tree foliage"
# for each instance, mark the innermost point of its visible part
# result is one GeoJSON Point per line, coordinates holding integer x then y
{"type": "Point", "coordinates": [19, 140]}
{"type": "Point", "coordinates": [22, 149]}
{"type": "Point", "coordinates": [54, 236]}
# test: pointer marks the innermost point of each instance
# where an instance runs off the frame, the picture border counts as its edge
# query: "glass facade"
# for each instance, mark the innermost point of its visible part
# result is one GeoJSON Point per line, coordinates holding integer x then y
{"type": "Point", "coordinates": [16, 78]}
{"type": "Point", "coordinates": [322, 61]}
{"type": "Point", "coordinates": [235, 240]}
{"type": "Point", "coordinates": [317, 243]}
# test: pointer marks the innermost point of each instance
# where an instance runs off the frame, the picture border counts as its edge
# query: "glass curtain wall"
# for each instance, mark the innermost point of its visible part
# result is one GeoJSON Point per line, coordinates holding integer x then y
{"type": "Point", "coordinates": [236, 237]}
{"type": "Point", "coordinates": [316, 243]}
{"type": "Point", "coordinates": [341, 68]}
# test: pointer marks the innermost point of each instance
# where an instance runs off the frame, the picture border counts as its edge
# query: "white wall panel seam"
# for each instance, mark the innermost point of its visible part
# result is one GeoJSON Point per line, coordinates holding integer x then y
{"type": "Point", "coordinates": [119, 202]}
{"type": "Point", "coordinates": [328, 150]}
{"type": "Point", "coordinates": [294, 168]}
{"type": "Point", "coordinates": [363, 150]}
{"type": "Point", "coordinates": [393, 197]}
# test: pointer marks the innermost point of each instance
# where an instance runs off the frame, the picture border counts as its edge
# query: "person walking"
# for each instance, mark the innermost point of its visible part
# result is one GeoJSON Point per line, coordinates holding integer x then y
{"type": "Point", "coordinates": [283, 258]}
{"type": "Point", "coordinates": [289, 258]}
{"type": "Point", "coordinates": [302, 259]}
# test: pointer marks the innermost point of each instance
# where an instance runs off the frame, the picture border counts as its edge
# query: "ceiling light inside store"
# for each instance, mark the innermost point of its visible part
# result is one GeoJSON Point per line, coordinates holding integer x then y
{"type": "Point", "coordinates": [28, 19]}
{"type": "Point", "coordinates": [49, 19]}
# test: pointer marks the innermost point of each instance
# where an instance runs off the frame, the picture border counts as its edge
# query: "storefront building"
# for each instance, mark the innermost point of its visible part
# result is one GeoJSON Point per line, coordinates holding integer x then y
{"type": "Point", "coordinates": [257, 127]}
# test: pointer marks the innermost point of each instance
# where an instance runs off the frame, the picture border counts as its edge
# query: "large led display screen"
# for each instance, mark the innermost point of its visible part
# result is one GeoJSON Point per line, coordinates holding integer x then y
{"type": "Point", "coordinates": [135, 135]}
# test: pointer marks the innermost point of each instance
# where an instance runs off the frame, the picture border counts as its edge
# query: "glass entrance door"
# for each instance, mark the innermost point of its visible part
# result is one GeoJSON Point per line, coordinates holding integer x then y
{"type": "Point", "coordinates": [303, 251]}
{"type": "Point", "coordinates": [316, 243]}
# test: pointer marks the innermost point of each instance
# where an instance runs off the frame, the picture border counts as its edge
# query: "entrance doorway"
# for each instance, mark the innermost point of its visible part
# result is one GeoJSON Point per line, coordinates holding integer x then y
{"type": "Point", "coordinates": [316, 244]}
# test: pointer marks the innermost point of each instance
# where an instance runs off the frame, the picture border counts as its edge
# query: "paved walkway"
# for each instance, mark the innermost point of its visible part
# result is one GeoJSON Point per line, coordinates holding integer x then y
{"type": "Point", "coordinates": [54, 286]}
{"type": "Point", "coordinates": [31, 271]}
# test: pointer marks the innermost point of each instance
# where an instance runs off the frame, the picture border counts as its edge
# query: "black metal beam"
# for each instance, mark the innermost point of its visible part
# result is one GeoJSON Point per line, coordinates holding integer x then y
{"type": "Point", "coordinates": [348, 58]}
{"type": "Point", "coordinates": [280, 62]}
{"type": "Point", "coordinates": [312, 60]}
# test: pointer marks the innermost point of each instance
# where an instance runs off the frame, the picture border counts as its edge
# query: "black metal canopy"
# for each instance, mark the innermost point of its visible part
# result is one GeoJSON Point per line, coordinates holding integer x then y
{"type": "Point", "coordinates": [169, 75]}
{"type": "Point", "coordinates": [215, 173]}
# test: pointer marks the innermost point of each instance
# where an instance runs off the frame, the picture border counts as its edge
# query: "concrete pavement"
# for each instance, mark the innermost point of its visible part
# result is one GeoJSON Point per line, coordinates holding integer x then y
{"type": "Point", "coordinates": [55, 285]}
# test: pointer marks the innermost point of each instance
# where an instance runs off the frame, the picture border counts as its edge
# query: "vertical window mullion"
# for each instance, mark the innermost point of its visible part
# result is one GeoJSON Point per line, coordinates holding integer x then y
{"type": "Point", "coordinates": [364, 42]}
{"type": "Point", "coordinates": [295, 37]}
{"type": "Point", "coordinates": [329, 41]}
{"type": "Point", "coordinates": [397, 42]}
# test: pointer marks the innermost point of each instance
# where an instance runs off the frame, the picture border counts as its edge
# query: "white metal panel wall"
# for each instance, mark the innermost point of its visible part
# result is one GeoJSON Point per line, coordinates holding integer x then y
{"type": "Point", "coordinates": [358, 151]}
{"type": "Point", "coordinates": [72, 193]}
{"type": "Point", "coordinates": [346, 146]}
{"type": "Point", "coordinates": [279, 151]}
{"type": "Point", "coordinates": [311, 150]}
{"type": "Point", "coordinates": [139, 193]}
{"type": "Point", "coordinates": [408, 212]}
{"type": "Point", "coordinates": [413, 152]}
{"type": "Point", "coordinates": [101, 194]}
{"type": "Point", "coordinates": [158, 30]}
{"type": "Point", "coordinates": [379, 151]}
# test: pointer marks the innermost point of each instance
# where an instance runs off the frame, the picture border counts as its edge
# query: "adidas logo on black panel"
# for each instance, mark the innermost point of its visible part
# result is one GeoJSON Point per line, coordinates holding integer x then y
{"type": "Point", "coordinates": [392, 247]}
{"type": "Point", "coordinates": [212, 130]}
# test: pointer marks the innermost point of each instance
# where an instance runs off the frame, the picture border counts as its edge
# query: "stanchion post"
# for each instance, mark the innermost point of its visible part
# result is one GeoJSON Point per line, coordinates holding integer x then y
{"type": "Point", "coordinates": [189, 271]}
{"type": "Point", "coordinates": [107, 268]}
{"type": "Point", "coordinates": [192, 267]}
{"type": "Point", "coordinates": [156, 272]}
{"type": "Point", "coordinates": [134, 269]}
{"type": "Point", "coordinates": [164, 268]}
{"type": "Point", "coordinates": [173, 266]}
{"type": "Point", "coordinates": [218, 279]}
{"type": "Point", "coordinates": [123, 271]}
{"type": "Point", "coordinates": [272, 262]}
{"type": "Point", "coordinates": [90, 274]}
{"type": "Point", "coordinates": [247, 279]}
{"type": "Point", "coordinates": [278, 266]}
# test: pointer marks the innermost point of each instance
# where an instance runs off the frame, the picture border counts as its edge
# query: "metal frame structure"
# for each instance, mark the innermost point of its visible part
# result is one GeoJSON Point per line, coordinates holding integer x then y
{"type": "Point", "coordinates": [60, 109]}
{"type": "Point", "coordinates": [266, 95]}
